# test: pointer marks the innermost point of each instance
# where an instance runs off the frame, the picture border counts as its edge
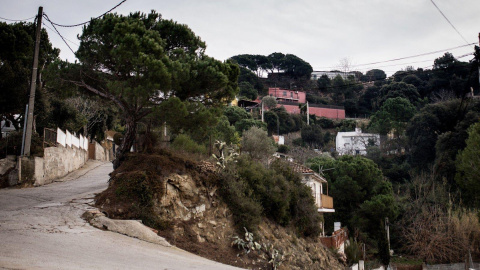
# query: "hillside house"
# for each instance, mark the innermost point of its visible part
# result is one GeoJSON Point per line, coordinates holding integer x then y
{"type": "Point", "coordinates": [315, 182]}
{"type": "Point", "coordinates": [331, 74]}
{"type": "Point", "coordinates": [355, 142]}
{"type": "Point", "coordinates": [287, 95]}
{"type": "Point", "coordinates": [291, 99]}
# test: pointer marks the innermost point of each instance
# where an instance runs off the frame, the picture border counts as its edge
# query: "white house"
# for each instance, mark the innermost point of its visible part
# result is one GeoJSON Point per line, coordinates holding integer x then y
{"type": "Point", "coordinates": [330, 74]}
{"type": "Point", "coordinates": [355, 142]}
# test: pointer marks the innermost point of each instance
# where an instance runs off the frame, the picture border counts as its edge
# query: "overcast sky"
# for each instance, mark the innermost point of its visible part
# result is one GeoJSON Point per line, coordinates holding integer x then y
{"type": "Point", "coordinates": [322, 32]}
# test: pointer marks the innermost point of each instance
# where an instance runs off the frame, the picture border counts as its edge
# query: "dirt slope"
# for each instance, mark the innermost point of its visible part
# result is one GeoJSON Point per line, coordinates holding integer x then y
{"type": "Point", "coordinates": [178, 197]}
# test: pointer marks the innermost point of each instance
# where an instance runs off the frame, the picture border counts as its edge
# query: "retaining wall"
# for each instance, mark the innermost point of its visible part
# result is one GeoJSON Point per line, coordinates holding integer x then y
{"type": "Point", "coordinates": [453, 266]}
{"type": "Point", "coordinates": [101, 153]}
{"type": "Point", "coordinates": [69, 154]}
{"type": "Point", "coordinates": [57, 162]}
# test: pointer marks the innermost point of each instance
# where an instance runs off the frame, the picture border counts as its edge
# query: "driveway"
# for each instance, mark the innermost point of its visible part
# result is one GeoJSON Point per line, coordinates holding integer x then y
{"type": "Point", "coordinates": [42, 228]}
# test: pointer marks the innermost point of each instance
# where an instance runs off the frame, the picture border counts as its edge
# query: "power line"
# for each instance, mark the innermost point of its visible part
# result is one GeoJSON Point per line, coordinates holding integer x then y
{"type": "Point", "coordinates": [80, 24]}
{"type": "Point", "coordinates": [449, 21]}
{"type": "Point", "coordinates": [55, 31]}
{"type": "Point", "coordinates": [17, 20]}
{"type": "Point", "coordinates": [401, 64]}
{"type": "Point", "coordinates": [413, 56]}
{"type": "Point", "coordinates": [407, 57]}
{"type": "Point", "coordinates": [46, 17]}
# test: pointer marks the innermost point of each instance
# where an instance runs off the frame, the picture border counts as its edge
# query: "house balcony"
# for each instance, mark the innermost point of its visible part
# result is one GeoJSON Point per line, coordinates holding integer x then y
{"type": "Point", "coordinates": [324, 203]}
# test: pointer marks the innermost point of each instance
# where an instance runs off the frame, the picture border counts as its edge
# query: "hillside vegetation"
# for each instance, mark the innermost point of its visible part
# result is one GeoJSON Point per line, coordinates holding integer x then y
{"type": "Point", "coordinates": [191, 204]}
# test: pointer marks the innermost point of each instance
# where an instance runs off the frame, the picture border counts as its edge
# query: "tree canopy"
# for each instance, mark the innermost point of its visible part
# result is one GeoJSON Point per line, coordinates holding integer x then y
{"type": "Point", "coordinates": [468, 167]}
{"type": "Point", "coordinates": [17, 43]}
{"type": "Point", "coordinates": [136, 61]}
{"type": "Point", "coordinates": [394, 114]}
{"type": "Point", "coordinates": [290, 64]}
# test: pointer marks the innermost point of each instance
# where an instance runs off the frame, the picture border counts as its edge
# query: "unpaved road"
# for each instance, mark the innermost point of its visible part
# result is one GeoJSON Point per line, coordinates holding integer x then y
{"type": "Point", "coordinates": [41, 228]}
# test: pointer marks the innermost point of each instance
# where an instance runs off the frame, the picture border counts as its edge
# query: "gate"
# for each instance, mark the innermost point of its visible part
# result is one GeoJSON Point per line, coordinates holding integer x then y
{"type": "Point", "coordinates": [91, 150]}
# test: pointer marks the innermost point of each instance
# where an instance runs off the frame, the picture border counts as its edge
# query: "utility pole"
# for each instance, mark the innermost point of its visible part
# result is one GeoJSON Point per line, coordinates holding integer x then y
{"type": "Point", "coordinates": [308, 116]}
{"type": "Point", "coordinates": [33, 85]}
{"type": "Point", "coordinates": [478, 59]}
{"type": "Point", "coordinates": [387, 229]}
{"type": "Point", "coordinates": [262, 112]}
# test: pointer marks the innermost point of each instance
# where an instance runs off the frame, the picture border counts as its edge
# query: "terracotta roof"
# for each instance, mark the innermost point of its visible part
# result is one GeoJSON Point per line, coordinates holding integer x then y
{"type": "Point", "coordinates": [299, 168]}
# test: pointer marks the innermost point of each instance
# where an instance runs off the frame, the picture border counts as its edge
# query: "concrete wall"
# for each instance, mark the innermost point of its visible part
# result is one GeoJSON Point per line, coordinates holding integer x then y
{"type": "Point", "coordinates": [453, 266]}
{"type": "Point", "coordinates": [59, 161]}
{"type": "Point", "coordinates": [56, 162]}
{"type": "Point", "coordinates": [330, 113]}
{"type": "Point", "coordinates": [70, 154]}
{"type": "Point", "coordinates": [101, 153]}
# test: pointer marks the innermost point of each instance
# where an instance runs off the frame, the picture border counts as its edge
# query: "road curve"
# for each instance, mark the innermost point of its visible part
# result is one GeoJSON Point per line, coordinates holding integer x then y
{"type": "Point", "coordinates": [41, 228]}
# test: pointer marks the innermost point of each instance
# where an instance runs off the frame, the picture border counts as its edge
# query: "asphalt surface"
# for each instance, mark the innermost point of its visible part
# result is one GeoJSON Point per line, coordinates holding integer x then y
{"type": "Point", "coordinates": [42, 228]}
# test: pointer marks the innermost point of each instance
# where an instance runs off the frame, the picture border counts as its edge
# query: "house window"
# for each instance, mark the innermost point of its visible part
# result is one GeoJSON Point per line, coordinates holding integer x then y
{"type": "Point", "coordinates": [284, 93]}
{"type": "Point", "coordinates": [7, 123]}
{"type": "Point", "coordinates": [291, 94]}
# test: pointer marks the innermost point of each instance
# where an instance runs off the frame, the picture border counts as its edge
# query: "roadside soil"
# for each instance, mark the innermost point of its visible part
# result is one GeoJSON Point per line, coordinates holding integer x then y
{"type": "Point", "coordinates": [178, 197]}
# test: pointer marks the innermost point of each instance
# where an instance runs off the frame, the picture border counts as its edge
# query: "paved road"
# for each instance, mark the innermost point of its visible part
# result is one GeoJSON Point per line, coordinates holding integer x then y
{"type": "Point", "coordinates": [41, 228]}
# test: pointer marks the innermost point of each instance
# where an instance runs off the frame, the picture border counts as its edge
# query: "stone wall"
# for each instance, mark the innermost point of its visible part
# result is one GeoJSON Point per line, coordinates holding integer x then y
{"type": "Point", "coordinates": [56, 162]}
{"type": "Point", "coordinates": [101, 153]}
{"type": "Point", "coordinates": [59, 161]}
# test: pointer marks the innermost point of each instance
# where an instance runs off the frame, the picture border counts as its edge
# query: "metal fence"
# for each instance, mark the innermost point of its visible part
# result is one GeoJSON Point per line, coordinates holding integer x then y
{"type": "Point", "coordinates": [49, 137]}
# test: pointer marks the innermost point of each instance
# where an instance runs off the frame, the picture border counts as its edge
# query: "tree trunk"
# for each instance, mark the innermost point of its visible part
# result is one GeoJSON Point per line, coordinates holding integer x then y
{"type": "Point", "coordinates": [127, 143]}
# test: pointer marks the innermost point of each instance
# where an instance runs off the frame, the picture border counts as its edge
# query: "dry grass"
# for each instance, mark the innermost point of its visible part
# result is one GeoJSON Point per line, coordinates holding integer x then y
{"type": "Point", "coordinates": [434, 229]}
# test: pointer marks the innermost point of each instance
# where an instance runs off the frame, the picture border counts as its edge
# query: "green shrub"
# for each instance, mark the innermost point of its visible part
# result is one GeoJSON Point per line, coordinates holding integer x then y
{"type": "Point", "coordinates": [277, 193]}
{"type": "Point", "coordinates": [353, 251]}
{"type": "Point", "coordinates": [238, 195]}
{"type": "Point", "coordinates": [184, 142]}
{"type": "Point", "coordinates": [118, 138]}
{"type": "Point", "coordinates": [298, 142]}
{"type": "Point", "coordinates": [325, 123]}
{"type": "Point", "coordinates": [283, 149]}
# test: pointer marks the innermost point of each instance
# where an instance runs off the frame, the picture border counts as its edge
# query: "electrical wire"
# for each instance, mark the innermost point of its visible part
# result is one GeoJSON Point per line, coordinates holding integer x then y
{"type": "Point", "coordinates": [402, 64]}
{"type": "Point", "coordinates": [408, 57]}
{"type": "Point", "coordinates": [17, 20]}
{"type": "Point", "coordinates": [55, 31]}
{"type": "Point", "coordinates": [46, 17]}
{"type": "Point", "coordinates": [413, 56]}
{"type": "Point", "coordinates": [449, 22]}
{"type": "Point", "coordinates": [80, 24]}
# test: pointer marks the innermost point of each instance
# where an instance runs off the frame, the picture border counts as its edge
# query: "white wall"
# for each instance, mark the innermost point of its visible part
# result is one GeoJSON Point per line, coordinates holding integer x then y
{"type": "Point", "coordinates": [70, 154]}
{"type": "Point", "coordinates": [356, 142]}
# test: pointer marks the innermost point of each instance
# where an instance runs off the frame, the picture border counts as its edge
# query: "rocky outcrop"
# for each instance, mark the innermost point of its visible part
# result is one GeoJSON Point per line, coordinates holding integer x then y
{"type": "Point", "coordinates": [182, 196]}
{"type": "Point", "coordinates": [8, 172]}
{"type": "Point", "coordinates": [132, 228]}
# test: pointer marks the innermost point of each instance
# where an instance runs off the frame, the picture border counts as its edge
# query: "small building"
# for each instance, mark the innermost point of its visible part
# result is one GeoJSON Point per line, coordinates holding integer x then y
{"type": "Point", "coordinates": [280, 140]}
{"type": "Point", "coordinates": [287, 95]}
{"type": "Point", "coordinates": [355, 142]}
{"type": "Point", "coordinates": [315, 182]}
{"type": "Point", "coordinates": [330, 74]}
{"type": "Point", "coordinates": [291, 100]}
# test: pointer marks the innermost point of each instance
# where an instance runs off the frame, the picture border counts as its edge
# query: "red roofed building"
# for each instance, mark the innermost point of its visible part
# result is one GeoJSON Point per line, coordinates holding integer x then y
{"type": "Point", "coordinates": [291, 99]}
{"type": "Point", "coordinates": [287, 95]}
